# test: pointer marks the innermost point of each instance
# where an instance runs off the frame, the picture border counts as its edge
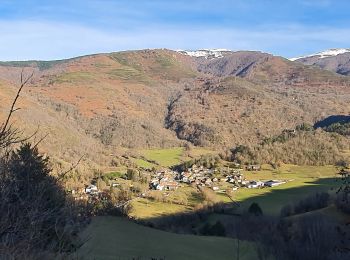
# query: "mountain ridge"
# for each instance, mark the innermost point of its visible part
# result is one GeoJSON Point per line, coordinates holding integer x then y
{"type": "Point", "coordinates": [336, 60]}
{"type": "Point", "coordinates": [324, 54]}
{"type": "Point", "coordinates": [162, 98]}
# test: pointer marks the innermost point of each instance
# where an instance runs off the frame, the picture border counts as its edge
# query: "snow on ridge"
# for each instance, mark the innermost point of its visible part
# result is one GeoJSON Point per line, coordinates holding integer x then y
{"type": "Point", "coordinates": [206, 53]}
{"type": "Point", "coordinates": [324, 54]}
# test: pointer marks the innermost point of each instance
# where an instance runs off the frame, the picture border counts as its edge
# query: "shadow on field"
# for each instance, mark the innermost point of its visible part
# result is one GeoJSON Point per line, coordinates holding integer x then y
{"type": "Point", "coordinates": [332, 120]}
{"type": "Point", "coordinates": [270, 202]}
{"type": "Point", "coordinates": [226, 230]}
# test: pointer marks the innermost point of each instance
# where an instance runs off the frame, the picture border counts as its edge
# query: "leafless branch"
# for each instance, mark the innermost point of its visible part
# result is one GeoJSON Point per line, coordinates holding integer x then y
{"type": "Point", "coordinates": [62, 175]}
{"type": "Point", "coordinates": [41, 139]}
{"type": "Point", "coordinates": [12, 110]}
{"type": "Point", "coordinates": [9, 134]}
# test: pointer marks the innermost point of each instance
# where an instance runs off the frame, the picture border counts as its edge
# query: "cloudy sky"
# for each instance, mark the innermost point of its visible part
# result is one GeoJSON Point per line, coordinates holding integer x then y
{"type": "Point", "coordinates": [37, 29]}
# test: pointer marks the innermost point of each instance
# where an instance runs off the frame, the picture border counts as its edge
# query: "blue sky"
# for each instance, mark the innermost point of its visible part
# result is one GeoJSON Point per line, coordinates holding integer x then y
{"type": "Point", "coordinates": [36, 29]}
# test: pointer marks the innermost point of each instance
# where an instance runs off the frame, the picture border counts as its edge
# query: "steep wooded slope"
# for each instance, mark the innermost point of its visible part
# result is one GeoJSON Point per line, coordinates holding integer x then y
{"type": "Point", "coordinates": [158, 98]}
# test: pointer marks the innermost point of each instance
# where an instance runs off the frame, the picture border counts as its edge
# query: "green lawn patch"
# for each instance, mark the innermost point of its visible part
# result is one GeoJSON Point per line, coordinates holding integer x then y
{"type": "Point", "coordinates": [164, 157]}
{"type": "Point", "coordinates": [144, 164]}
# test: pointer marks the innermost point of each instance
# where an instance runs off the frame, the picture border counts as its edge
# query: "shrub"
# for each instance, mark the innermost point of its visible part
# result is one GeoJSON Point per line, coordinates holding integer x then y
{"type": "Point", "coordinates": [34, 209]}
{"type": "Point", "coordinates": [255, 209]}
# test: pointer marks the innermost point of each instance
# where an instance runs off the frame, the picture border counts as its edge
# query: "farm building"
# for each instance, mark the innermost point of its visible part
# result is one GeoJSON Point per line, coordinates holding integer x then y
{"type": "Point", "coordinates": [254, 167]}
{"type": "Point", "coordinates": [255, 184]}
{"type": "Point", "coordinates": [91, 189]}
{"type": "Point", "coordinates": [273, 183]}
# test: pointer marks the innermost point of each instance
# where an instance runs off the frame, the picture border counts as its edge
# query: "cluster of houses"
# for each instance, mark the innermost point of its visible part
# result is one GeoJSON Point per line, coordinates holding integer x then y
{"type": "Point", "coordinates": [164, 180]}
{"type": "Point", "coordinates": [168, 180]}
{"type": "Point", "coordinates": [206, 177]}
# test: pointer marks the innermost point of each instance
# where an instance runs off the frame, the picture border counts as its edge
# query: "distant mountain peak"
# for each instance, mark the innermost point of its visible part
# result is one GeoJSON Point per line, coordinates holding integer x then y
{"type": "Point", "coordinates": [324, 54]}
{"type": "Point", "coordinates": [205, 53]}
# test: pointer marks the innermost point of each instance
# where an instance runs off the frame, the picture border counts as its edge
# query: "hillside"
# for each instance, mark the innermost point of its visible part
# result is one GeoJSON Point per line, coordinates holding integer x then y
{"type": "Point", "coordinates": [119, 238]}
{"type": "Point", "coordinates": [100, 104]}
{"type": "Point", "coordinates": [336, 60]}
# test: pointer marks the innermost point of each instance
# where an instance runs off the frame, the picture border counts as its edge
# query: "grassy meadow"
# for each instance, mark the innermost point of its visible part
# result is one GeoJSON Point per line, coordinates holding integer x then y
{"type": "Point", "coordinates": [164, 157]}
{"type": "Point", "coordinates": [301, 181]}
{"type": "Point", "coordinates": [119, 238]}
{"type": "Point", "coordinates": [170, 156]}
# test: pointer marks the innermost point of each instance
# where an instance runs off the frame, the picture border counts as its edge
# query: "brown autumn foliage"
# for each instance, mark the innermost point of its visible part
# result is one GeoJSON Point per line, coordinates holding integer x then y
{"type": "Point", "coordinates": [100, 104]}
{"type": "Point", "coordinates": [304, 148]}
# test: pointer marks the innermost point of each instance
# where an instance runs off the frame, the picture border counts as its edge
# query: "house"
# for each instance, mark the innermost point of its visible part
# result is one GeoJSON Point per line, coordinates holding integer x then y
{"type": "Point", "coordinates": [159, 187]}
{"type": "Point", "coordinates": [215, 188]}
{"type": "Point", "coordinates": [91, 189]}
{"type": "Point", "coordinates": [273, 183]}
{"type": "Point", "coordinates": [242, 183]}
{"type": "Point", "coordinates": [231, 180]}
{"type": "Point", "coordinates": [208, 182]}
{"type": "Point", "coordinates": [185, 177]}
{"type": "Point", "coordinates": [235, 165]}
{"type": "Point", "coordinates": [235, 188]}
{"type": "Point", "coordinates": [289, 131]}
{"type": "Point", "coordinates": [255, 184]}
{"type": "Point", "coordinates": [171, 185]}
{"type": "Point", "coordinates": [253, 167]}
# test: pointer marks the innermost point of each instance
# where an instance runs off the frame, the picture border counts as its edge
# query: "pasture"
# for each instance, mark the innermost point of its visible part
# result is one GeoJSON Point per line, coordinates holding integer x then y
{"type": "Point", "coordinates": [119, 238]}
{"type": "Point", "coordinates": [301, 182]}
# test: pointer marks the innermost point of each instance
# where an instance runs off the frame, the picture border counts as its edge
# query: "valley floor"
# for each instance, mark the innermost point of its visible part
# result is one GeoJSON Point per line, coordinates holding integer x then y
{"type": "Point", "coordinates": [301, 182]}
{"type": "Point", "coordinates": [120, 238]}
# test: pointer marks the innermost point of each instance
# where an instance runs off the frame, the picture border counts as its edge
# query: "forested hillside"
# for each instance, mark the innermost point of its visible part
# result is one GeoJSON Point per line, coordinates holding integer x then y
{"type": "Point", "coordinates": [100, 104]}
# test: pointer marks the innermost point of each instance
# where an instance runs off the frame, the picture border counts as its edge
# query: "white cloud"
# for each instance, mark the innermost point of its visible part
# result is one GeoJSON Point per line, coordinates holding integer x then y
{"type": "Point", "coordinates": [23, 40]}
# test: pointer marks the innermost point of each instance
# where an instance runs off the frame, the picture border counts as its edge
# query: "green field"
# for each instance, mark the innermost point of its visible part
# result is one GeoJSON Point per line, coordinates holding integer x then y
{"type": "Point", "coordinates": [119, 238]}
{"type": "Point", "coordinates": [144, 164]}
{"type": "Point", "coordinates": [164, 157]}
{"type": "Point", "coordinates": [143, 208]}
{"type": "Point", "coordinates": [171, 156]}
{"type": "Point", "coordinates": [301, 182]}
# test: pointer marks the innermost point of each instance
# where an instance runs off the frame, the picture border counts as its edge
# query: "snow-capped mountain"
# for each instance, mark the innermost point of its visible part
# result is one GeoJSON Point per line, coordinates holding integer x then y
{"type": "Point", "coordinates": [323, 54]}
{"type": "Point", "coordinates": [205, 53]}
{"type": "Point", "coordinates": [336, 60]}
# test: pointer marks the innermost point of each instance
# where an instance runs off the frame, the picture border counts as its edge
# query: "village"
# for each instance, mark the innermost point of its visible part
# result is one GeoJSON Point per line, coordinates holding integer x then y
{"type": "Point", "coordinates": [219, 180]}
{"type": "Point", "coordinates": [215, 179]}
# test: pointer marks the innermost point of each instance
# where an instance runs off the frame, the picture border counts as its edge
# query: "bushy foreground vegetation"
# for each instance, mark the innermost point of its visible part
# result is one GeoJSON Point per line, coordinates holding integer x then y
{"type": "Point", "coordinates": [36, 215]}
{"type": "Point", "coordinates": [37, 218]}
